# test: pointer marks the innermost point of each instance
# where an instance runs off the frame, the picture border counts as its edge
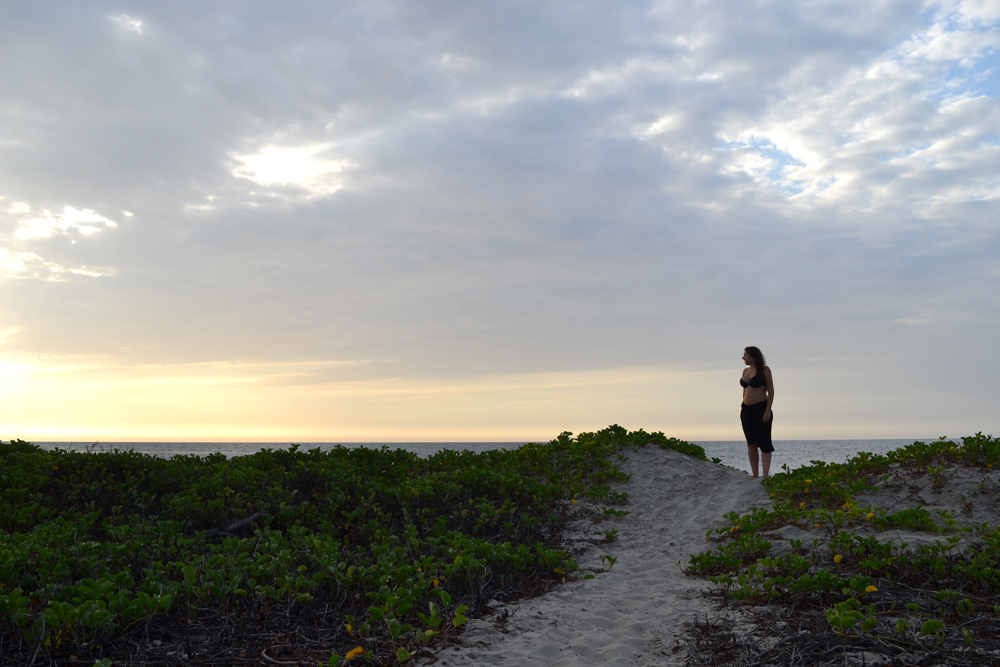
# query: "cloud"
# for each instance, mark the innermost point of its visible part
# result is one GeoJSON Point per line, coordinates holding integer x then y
{"type": "Point", "coordinates": [128, 24]}
{"type": "Point", "coordinates": [513, 188]}
{"type": "Point", "coordinates": [25, 229]}
{"type": "Point", "coordinates": [26, 265]}
{"type": "Point", "coordinates": [902, 132]}
{"type": "Point", "coordinates": [84, 221]}
{"type": "Point", "coordinates": [304, 167]}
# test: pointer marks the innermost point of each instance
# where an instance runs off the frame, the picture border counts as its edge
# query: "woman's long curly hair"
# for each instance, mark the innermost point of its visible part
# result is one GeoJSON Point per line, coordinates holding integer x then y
{"type": "Point", "coordinates": [758, 358]}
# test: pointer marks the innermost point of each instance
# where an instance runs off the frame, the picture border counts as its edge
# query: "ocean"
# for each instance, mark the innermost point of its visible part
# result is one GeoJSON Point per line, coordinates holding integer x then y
{"type": "Point", "coordinates": [797, 453]}
{"type": "Point", "coordinates": [793, 453]}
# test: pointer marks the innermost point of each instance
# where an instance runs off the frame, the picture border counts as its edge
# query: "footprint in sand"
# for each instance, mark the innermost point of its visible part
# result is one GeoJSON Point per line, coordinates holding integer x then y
{"type": "Point", "coordinates": [632, 614]}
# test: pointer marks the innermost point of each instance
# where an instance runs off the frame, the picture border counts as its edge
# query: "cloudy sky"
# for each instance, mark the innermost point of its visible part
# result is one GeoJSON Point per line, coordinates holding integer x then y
{"type": "Point", "coordinates": [453, 220]}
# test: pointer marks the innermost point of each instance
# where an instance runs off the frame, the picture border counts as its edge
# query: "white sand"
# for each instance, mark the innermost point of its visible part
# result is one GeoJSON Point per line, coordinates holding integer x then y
{"type": "Point", "coordinates": [969, 495]}
{"type": "Point", "coordinates": [632, 614]}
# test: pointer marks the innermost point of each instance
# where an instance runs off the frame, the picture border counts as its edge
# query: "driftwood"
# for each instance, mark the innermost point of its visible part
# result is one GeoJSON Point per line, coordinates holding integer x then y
{"type": "Point", "coordinates": [229, 531]}
{"type": "Point", "coordinates": [779, 635]}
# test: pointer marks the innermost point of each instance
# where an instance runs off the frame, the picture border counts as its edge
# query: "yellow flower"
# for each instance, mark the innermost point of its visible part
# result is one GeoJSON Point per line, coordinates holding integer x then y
{"type": "Point", "coordinates": [354, 653]}
{"type": "Point", "coordinates": [436, 582]}
{"type": "Point", "coordinates": [871, 589]}
{"type": "Point", "coordinates": [805, 490]}
{"type": "Point", "coordinates": [802, 504]}
{"type": "Point", "coordinates": [870, 515]}
{"type": "Point", "coordinates": [817, 525]}
{"type": "Point", "coordinates": [772, 495]}
{"type": "Point", "coordinates": [350, 629]}
{"type": "Point", "coordinates": [809, 481]}
{"type": "Point", "coordinates": [573, 501]}
{"type": "Point", "coordinates": [838, 558]}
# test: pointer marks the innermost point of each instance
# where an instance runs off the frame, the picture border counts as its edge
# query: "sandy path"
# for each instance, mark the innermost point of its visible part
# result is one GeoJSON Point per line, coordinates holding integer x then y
{"type": "Point", "coordinates": [631, 615]}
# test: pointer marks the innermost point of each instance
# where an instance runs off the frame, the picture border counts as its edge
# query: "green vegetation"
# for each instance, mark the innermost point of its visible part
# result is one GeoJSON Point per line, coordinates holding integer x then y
{"type": "Point", "coordinates": [875, 594]}
{"type": "Point", "coordinates": [373, 552]}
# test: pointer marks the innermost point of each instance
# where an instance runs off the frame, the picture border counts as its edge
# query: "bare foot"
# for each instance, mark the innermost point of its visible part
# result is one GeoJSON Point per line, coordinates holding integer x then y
{"type": "Point", "coordinates": [749, 477]}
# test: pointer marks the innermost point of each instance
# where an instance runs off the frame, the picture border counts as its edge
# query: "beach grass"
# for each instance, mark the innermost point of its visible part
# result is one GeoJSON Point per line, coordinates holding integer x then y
{"type": "Point", "coordinates": [287, 553]}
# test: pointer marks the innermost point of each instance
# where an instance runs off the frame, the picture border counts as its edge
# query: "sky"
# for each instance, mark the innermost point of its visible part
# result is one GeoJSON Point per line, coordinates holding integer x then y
{"type": "Point", "coordinates": [440, 220]}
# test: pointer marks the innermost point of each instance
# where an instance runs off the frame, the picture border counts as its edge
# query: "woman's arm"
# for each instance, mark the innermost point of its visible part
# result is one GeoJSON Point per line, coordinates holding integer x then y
{"type": "Point", "coordinates": [770, 393]}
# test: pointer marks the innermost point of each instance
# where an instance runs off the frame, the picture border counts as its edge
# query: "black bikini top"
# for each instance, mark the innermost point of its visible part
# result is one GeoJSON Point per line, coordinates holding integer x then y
{"type": "Point", "coordinates": [756, 382]}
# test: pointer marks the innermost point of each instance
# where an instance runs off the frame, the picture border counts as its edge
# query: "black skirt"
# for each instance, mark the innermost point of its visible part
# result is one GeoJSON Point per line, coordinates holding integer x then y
{"type": "Point", "coordinates": [757, 431]}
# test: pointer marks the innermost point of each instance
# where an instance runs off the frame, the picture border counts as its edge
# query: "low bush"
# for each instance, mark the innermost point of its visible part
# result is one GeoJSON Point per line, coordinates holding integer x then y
{"type": "Point", "coordinates": [875, 594]}
{"type": "Point", "coordinates": [380, 551]}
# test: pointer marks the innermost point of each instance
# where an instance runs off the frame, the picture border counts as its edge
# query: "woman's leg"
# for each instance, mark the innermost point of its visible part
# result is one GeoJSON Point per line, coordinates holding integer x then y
{"type": "Point", "coordinates": [752, 453]}
{"type": "Point", "coordinates": [765, 459]}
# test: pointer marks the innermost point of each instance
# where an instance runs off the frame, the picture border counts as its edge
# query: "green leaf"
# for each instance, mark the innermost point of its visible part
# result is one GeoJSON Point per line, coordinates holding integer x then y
{"type": "Point", "coordinates": [931, 626]}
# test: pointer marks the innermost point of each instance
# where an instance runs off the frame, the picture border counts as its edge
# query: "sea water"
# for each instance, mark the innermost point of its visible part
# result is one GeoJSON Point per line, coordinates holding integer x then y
{"type": "Point", "coordinates": [733, 453]}
{"type": "Point", "coordinates": [798, 453]}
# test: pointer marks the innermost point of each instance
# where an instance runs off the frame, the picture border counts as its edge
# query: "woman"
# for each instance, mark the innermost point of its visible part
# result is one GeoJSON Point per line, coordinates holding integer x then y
{"type": "Point", "coordinates": [755, 413]}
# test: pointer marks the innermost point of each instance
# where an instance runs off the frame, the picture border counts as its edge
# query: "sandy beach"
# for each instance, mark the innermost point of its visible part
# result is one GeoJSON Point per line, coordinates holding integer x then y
{"type": "Point", "coordinates": [632, 614]}
{"type": "Point", "coordinates": [636, 606]}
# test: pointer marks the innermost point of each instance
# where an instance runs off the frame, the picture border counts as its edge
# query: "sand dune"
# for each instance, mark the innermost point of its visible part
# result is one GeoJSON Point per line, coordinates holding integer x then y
{"type": "Point", "coordinates": [632, 614]}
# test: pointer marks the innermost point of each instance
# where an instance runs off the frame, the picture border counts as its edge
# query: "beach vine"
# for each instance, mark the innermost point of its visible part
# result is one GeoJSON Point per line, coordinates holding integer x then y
{"type": "Point", "coordinates": [283, 554]}
{"type": "Point", "coordinates": [846, 587]}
